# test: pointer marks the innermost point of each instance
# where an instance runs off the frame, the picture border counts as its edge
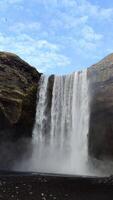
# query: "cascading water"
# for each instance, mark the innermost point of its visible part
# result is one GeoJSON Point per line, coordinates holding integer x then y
{"type": "Point", "coordinates": [64, 148]}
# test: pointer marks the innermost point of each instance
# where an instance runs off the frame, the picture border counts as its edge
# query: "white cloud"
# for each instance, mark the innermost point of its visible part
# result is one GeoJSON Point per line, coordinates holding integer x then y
{"type": "Point", "coordinates": [79, 7]}
{"type": "Point", "coordinates": [73, 21]}
{"type": "Point", "coordinates": [85, 43]}
{"type": "Point", "coordinates": [90, 35]}
{"type": "Point", "coordinates": [5, 4]}
{"type": "Point", "coordinates": [40, 53]}
{"type": "Point", "coordinates": [57, 3]}
{"type": "Point", "coordinates": [24, 27]}
{"type": "Point", "coordinates": [11, 1]}
{"type": "Point", "coordinates": [95, 11]}
{"type": "Point", "coordinates": [67, 21]}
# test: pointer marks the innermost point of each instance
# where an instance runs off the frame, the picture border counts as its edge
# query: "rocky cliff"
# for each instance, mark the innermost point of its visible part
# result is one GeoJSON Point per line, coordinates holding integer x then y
{"type": "Point", "coordinates": [18, 88]}
{"type": "Point", "coordinates": [101, 109]}
{"type": "Point", "coordinates": [18, 93]}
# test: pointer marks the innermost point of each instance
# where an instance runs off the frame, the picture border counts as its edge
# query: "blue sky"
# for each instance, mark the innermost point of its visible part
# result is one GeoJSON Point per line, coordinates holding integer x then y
{"type": "Point", "coordinates": [57, 36]}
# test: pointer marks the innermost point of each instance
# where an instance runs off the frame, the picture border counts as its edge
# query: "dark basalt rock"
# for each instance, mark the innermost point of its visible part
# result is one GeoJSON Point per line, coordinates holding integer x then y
{"type": "Point", "coordinates": [101, 109]}
{"type": "Point", "coordinates": [18, 93]}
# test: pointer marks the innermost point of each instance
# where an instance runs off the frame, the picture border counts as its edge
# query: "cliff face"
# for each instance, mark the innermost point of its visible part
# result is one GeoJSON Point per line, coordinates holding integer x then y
{"type": "Point", "coordinates": [101, 117]}
{"type": "Point", "coordinates": [18, 89]}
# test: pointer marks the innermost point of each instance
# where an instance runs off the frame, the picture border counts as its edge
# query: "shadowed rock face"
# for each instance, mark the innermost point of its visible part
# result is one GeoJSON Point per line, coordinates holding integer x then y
{"type": "Point", "coordinates": [101, 117]}
{"type": "Point", "coordinates": [18, 88]}
{"type": "Point", "coordinates": [18, 93]}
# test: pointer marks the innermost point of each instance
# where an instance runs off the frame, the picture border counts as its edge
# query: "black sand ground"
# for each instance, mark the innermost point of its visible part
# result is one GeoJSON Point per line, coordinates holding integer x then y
{"type": "Point", "coordinates": [31, 186]}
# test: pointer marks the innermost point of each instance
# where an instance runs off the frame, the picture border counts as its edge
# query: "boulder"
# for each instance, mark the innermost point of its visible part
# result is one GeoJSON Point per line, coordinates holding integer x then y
{"type": "Point", "coordinates": [100, 137]}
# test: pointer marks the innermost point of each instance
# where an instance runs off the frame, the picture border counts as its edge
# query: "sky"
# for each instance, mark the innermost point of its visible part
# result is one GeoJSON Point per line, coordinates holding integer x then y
{"type": "Point", "coordinates": [57, 36]}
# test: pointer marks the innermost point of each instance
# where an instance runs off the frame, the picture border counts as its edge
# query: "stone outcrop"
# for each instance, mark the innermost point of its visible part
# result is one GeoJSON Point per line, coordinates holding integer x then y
{"type": "Point", "coordinates": [101, 118]}
{"type": "Point", "coordinates": [18, 89]}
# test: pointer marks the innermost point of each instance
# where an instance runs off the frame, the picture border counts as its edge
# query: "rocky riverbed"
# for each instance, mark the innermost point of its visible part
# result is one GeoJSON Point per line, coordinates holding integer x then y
{"type": "Point", "coordinates": [33, 186]}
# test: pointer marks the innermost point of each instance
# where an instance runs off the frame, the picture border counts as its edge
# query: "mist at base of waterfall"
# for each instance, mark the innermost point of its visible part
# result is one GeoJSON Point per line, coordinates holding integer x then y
{"type": "Point", "coordinates": [60, 164]}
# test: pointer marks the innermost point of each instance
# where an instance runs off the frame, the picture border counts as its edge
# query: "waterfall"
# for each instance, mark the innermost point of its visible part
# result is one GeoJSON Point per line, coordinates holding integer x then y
{"type": "Point", "coordinates": [64, 148]}
{"type": "Point", "coordinates": [80, 123]}
{"type": "Point", "coordinates": [40, 114]}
